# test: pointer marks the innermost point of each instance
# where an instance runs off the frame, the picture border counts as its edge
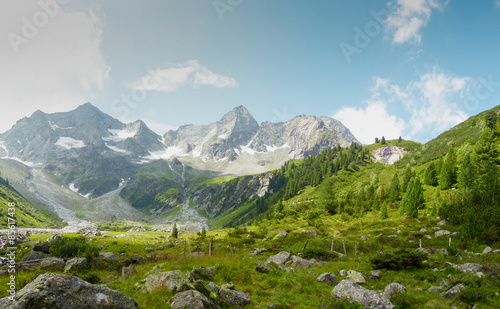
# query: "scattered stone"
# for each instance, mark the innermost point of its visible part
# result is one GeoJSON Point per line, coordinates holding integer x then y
{"type": "Point", "coordinates": [200, 273]}
{"type": "Point", "coordinates": [170, 245]}
{"type": "Point", "coordinates": [427, 236]}
{"type": "Point", "coordinates": [280, 235]}
{"type": "Point", "coordinates": [108, 257]}
{"type": "Point", "coordinates": [161, 248]}
{"type": "Point", "coordinates": [363, 238]}
{"type": "Point", "coordinates": [441, 223]}
{"type": "Point", "coordinates": [54, 237]}
{"type": "Point", "coordinates": [92, 233]}
{"type": "Point", "coordinates": [472, 268]}
{"type": "Point", "coordinates": [423, 230]}
{"type": "Point", "coordinates": [487, 250]}
{"type": "Point", "coordinates": [34, 255]}
{"type": "Point", "coordinates": [63, 291]}
{"type": "Point", "coordinates": [297, 261]}
{"type": "Point", "coordinates": [233, 297]}
{"type": "Point", "coordinates": [191, 299]}
{"type": "Point", "coordinates": [441, 233]}
{"type": "Point", "coordinates": [392, 236]}
{"type": "Point", "coordinates": [52, 263]}
{"type": "Point", "coordinates": [454, 291]}
{"type": "Point", "coordinates": [128, 272]}
{"type": "Point", "coordinates": [149, 249]}
{"type": "Point", "coordinates": [312, 232]}
{"type": "Point", "coordinates": [375, 274]}
{"type": "Point", "coordinates": [343, 273]}
{"type": "Point", "coordinates": [42, 247]}
{"type": "Point", "coordinates": [455, 234]}
{"type": "Point", "coordinates": [496, 251]}
{"type": "Point", "coordinates": [423, 250]}
{"type": "Point", "coordinates": [173, 280]}
{"type": "Point", "coordinates": [355, 276]}
{"type": "Point", "coordinates": [437, 250]}
{"type": "Point", "coordinates": [263, 268]}
{"type": "Point", "coordinates": [137, 229]}
{"type": "Point", "coordinates": [348, 289]}
{"type": "Point", "coordinates": [393, 289]}
{"type": "Point", "coordinates": [257, 251]}
{"type": "Point", "coordinates": [279, 259]}
{"type": "Point", "coordinates": [75, 263]}
{"type": "Point", "coordinates": [327, 278]}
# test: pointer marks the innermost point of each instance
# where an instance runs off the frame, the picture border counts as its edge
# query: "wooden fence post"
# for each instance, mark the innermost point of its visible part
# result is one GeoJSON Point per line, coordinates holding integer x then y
{"type": "Point", "coordinates": [343, 244]}
{"type": "Point", "coordinates": [331, 247]}
{"type": "Point", "coordinates": [210, 246]}
{"type": "Point", "coordinates": [305, 245]}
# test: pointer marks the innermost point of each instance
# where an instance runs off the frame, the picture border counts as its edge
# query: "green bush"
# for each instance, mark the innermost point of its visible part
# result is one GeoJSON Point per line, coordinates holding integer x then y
{"type": "Point", "coordinates": [91, 277]}
{"type": "Point", "coordinates": [398, 260]}
{"type": "Point", "coordinates": [472, 295]}
{"type": "Point", "coordinates": [73, 247]}
{"type": "Point", "coordinates": [321, 254]}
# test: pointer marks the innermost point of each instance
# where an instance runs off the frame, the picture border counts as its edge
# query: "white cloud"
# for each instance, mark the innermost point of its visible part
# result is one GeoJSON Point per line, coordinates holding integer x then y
{"type": "Point", "coordinates": [409, 17]}
{"type": "Point", "coordinates": [53, 64]}
{"type": "Point", "coordinates": [372, 121]}
{"type": "Point", "coordinates": [173, 77]}
{"type": "Point", "coordinates": [426, 107]}
{"type": "Point", "coordinates": [497, 4]}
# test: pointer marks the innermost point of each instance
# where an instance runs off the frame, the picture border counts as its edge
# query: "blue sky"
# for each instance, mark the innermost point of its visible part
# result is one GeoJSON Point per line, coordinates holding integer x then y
{"type": "Point", "coordinates": [411, 68]}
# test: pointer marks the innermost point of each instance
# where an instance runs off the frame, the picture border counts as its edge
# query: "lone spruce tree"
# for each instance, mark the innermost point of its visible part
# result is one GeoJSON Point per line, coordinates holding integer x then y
{"type": "Point", "coordinates": [394, 189]}
{"type": "Point", "coordinates": [413, 200]}
{"type": "Point", "coordinates": [175, 231]}
{"type": "Point", "coordinates": [430, 175]}
{"type": "Point", "coordinates": [448, 174]}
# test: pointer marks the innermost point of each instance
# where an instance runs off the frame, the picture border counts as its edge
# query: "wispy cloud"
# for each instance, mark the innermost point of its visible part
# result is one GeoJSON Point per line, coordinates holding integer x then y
{"type": "Point", "coordinates": [426, 107]}
{"type": "Point", "coordinates": [171, 78]}
{"type": "Point", "coordinates": [409, 17]}
{"type": "Point", "coordinates": [497, 4]}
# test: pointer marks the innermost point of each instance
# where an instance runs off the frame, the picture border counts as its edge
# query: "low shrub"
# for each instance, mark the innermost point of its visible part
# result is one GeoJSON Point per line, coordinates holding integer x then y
{"type": "Point", "coordinates": [73, 247]}
{"type": "Point", "coordinates": [320, 254]}
{"type": "Point", "coordinates": [398, 260]}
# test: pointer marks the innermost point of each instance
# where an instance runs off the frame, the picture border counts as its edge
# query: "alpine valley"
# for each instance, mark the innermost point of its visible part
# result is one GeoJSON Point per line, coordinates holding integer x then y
{"type": "Point", "coordinates": [86, 165]}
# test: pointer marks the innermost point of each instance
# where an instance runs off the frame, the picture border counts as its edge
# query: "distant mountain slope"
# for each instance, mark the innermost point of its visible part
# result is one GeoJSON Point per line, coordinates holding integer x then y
{"type": "Point", "coordinates": [26, 214]}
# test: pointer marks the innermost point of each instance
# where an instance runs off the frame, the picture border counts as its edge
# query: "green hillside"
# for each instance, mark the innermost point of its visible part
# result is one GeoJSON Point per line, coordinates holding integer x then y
{"type": "Point", "coordinates": [26, 213]}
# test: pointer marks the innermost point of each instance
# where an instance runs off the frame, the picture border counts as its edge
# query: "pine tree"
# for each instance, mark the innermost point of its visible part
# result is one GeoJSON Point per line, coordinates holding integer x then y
{"type": "Point", "coordinates": [376, 140]}
{"type": "Point", "coordinates": [383, 140]}
{"type": "Point", "coordinates": [491, 119]}
{"type": "Point", "coordinates": [430, 175]}
{"type": "Point", "coordinates": [407, 177]}
{"type": "Point", "coordinates": [383, 211]}
{"type": "Point", "coordinates": [394, 189]}
{"type": "Point", "coordinates": [175, 232]}
{"type": "Point", "coordinates": [413, 200]}
{"type": "Point", "coordinates": [467, 174]}
{"type": "Point", "coordinates": [400, 140]}
{"type": "Point", "coordinates": [448, 174]}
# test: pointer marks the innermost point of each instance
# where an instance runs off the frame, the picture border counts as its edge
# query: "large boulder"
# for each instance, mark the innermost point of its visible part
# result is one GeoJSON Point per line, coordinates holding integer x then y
{"type": "Point", "coordinates": [441, 233]}
{"type": "Point", "coordinates": [233, 297]}
{"type": "Point", "coordinates": [297, 261]}
{"type": "Point", "coordinates": [34, 256]}
{"type": "Point", "coordinates": [173, 280]}
{"type": "Point", "coordinates": [487, 250]}
{"type": "Point", "coordinates": [472, 268]}
{"type": "Point", "coordinates": [128, 272]}
{"type": "Point", "coordinates": [454, 291]}
{"type": "Point", "coordinates": [63, 291]}
{"type": "Point", "coordinates": [41, 247]}
{"type": "Point", "coordinates": [108, 257]}
{"type": "Point", "coordinates": [137, 229]}
{"type": "Point", "coordinates": [279, 259]}
{"type": "Point", "coordinates": [200, 273]}
{"type": "Point", "coordinates": [348, 289]}
{"type": "Point", "coordinates": [54, 237]}
{"type": "Point", "coordinates": [193, 300]}
{"type": "Point", "coordinates": [75, 264]}
{"type": "Point", "coordinates": [327, 278]}
{"type": "Point", "coordinates": [280, 235]}
{"type": "Point", "coordinates": [393, 289]}
{"type": "Point", "coordinates": [52, 263]}
{"type": "Point", "coordinates": [355, 276]}
{"type": "Point", "coordinates": [263, 268]}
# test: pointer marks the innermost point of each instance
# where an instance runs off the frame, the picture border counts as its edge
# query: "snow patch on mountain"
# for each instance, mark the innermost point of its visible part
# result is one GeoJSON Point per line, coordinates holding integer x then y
{"type": "Point", "coordinates": [116, 149]}
{"type": "Point", "coordinates": [118, 135]}
{"type": "Point", "coordinates": [166, 154]}
{"type": "Point", "coordinates": [69, 143]}
{"type": "Point", "coordinates": [74, 189]}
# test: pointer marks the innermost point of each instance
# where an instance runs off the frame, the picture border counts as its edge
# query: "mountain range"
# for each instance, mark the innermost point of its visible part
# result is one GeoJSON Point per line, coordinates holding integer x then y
{"type": "Point", "coordinates": [87, 164]}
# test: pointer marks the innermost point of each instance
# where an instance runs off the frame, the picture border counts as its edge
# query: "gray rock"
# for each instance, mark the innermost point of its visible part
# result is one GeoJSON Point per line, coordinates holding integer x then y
{"type": "Point", "coordinates": [279, 259]}
{"type": "Point", "coordinates": [487, 250]}
{"type": "Point", "coordinates": [170, 245]}
{"type": "Point", "coordinates": [496, 251]}
{"type": "Point", "coordinates": [149, 249]}
{"type": "Point", "coordinates": [257, 251]}
{"type": "Point", "coordinates": [393, 289]}
{"type": "Point", "coordinates": [343, 272]}
{"type": "Point", "coordinates": [193, 300]}
{"type": "Point", "coordinates": [160, 248]}
{"type": "Point", "coordinates": [348, 289]}
{"type": "Point", "coordinates": [327, 278]}
{"type": "Point", "coordinates": [427, 236]}
{"type": "Point", "coordinates": [280, 235]}
{"type": "Point", "coordinates": [200, 273]}
{"type": "Point", "coordinates": [472, 268]}
{"type": "Point", "coordinates": [455, 234]}
{"type": "Point", "coordinates": [441, 233]}
{"type": "Point", "coordinates": [441, 223]}
{"type": "Point", "coordinates": [375, 274]}
{"type": "Point", "coordinates": [52, 263]}
{"type": "Point", "coordinates": [312, 232]}
{"type": "Point", "coordinates": [54, 237]}
{"type": "Point", "coordinates": [42, 247]}
{"type": "Point", "coordinates": [363, 238]}
{"type": "Point", "coordinates": [173, 280]}
{"type": "Point", "coordinates": [63, 291]}
{"type": "Point", "coordinates": [108, 257]}
{"type": "Point", "coordinates": [75, 263]}
{"type": "Point", "coordinates": [297, 261]}
{"type": "Point", "coordinates": [128, 272]}
{"type": "Point", "coordinates": [355, 276]}
{"type": "Point", "coordinates": [263, 268]}
{"type": "Point", "coordinates": [234, 297]}
{"type": "Point", "coordinates": [454, 291]}
{"type": "Point", "coordinates": [423, 230]}
{"type": "Point", "coordinates": [34, 255]}
{"type": "Point", "coordinates": [137, 229]}
{"type": "Point", "coordinates": [423, 250]}
{"type": "Point", "coordinates": [392, 236]}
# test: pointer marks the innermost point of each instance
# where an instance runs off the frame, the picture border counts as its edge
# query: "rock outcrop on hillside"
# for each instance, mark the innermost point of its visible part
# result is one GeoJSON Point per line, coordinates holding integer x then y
{"type": "Point", "coordinates": [388, 155]}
